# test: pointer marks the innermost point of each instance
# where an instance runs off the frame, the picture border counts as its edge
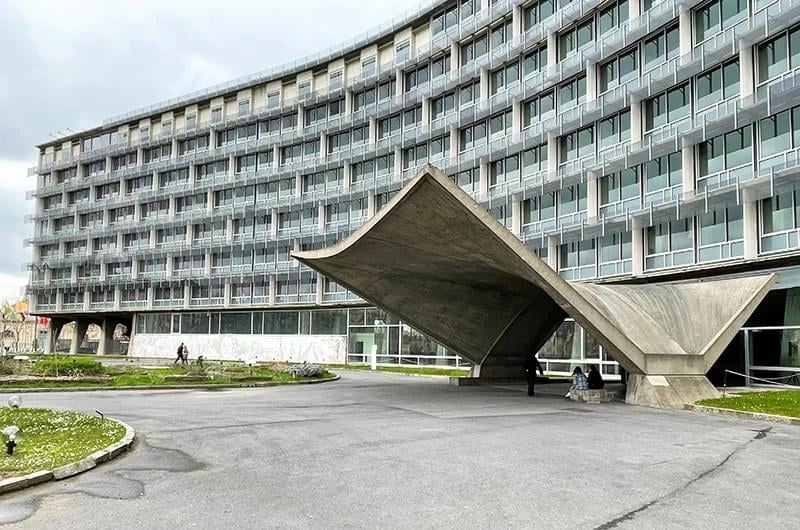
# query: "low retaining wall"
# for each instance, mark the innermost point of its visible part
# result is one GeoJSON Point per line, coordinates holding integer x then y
{"type": "Point", "coordinates": [70, 470]}
{"type": "Point", "coordinates": [324, 349]}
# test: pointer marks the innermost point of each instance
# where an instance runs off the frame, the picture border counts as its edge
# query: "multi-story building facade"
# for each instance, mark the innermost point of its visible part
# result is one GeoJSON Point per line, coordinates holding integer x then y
{"type": "Point", "coordinates": [629, 140]}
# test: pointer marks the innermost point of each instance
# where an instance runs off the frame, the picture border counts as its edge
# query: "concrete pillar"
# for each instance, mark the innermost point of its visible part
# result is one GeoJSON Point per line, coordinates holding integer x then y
{"type": "Point", "coordinates": [552, 49]}
{"type": "Point", "coordinates": [373, 128]}
{"type": "Point", "coordinates": [516, 216]}
{"type": "Point", "coordinates": [426, 111]}
{"type": "Point", "coordinates": [348, 101]}
{"type": "Point", "coordinates": [750, 228]}
{"type": "Point", "coordinates": [172, 207]}
{"type": "Point", "coordinates": [484, 95]}
{"type": "Point", "coordinates": [301, 118]}
{"type": "Point", "coordinates": [687, 171]}
{"type": "Point", "coordinates": [323, 145]}
{"type": "Point", "coordinates": [272, 290]}
{"type": "Point", "coordinates": [298, 185]}
{"type": "Point", "coordinates": [516, 23]}
{"type": "Point", "coordinates": [231, 167]}
{"type": "Point", "coordinates": [54, 328]}
{"type": "Point", "coordinates": [189, 230]}
{"type": "Point", "coordinates": [455, 57]}
{"type": "Point", "coordinates": [321, 217]}
{"type": "Point", "coordinates": [455, 146]}
{"type": "Point", "coordinates": [79, 332]}
{"type": "Point", "coordinates": [370, 203]}
{"type": "Point", "coordinates": [636, 121]}
{"type": "Point", "coordinates": [399, 82]}
{"type": "Point", "coordinates": [151, 293]}
{"type": "Point", "coordinates": [226, 294]}
{"type": "Point", "coordinates": [208, 264]}
{"type": "Point", "coordinates": [747, 75]}
{"type": "Point", "coordinates": [516, 122]}
{"type": "Point", "coordinates": [346, 176]}
{"type": "Point", "coordinates": [106, 336]}
{"type": "Point", "coordinates": [153, 238]}
{"type": "Point", "coordinates": [483, 178]}
{"type": "Point", "coordinates": [552, 253]}
{"type": "Point", "coordinates": [274, 226]}
{"type": "Point", "coordinates": [591, 79]}
{"type": "Point", "coordinates": [685, 30]}
{"type": "Point", "coordinates": [187, 295]}
{"type": "Point", "coordinates": [634, 9]}
{"type": "Point", "coordinates": [592, 194]}
{"type": "Point", "coordinates": [552, 153]}
{"type": "Point", "coordinates": [170, 266]}
{"type": "Point", "coordinates": [229, 228]}
{"type": "Point", "coordinates": [398, 161]}
{"type": "Point", "coordinates": [637, 250]}
{"type": "Point", "coordinates": [134, 269]}
{"type": "Point", "coordinates": [210, 202]}
{"type": "Point", "coordinates": [320, 288]}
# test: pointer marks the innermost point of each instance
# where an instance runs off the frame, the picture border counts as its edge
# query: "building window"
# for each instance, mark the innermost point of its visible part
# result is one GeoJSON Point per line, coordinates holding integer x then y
{"type": "Point", "coordinates": [720, 234]}
{"type": "Point", "coordinates": [662, 174]}
{"type": "Point", "coordinates": [779, 221]}
{"type": "Point", "coordinates": [615, 130]}
{"type": "Point", "coordinates": [620, 192]}
{"type": "Point", "coordinates": [717, 16]}
{"type": "Point", "coordinates": [661, 47]}
{"type": "Point", "coordinates": [474, 49]}
{"type": "Point", "coordinates": [717, 84]}
{"type": "Point", "coordinates": [615, 254]}
{"type": "Point", "coordinates": [612, 16]}
{"type": "Point", "coordinates": [619, 70]}
{"type": "Point", "coordinates": [668, 107]}
{"type": "Point", "coordinates": [779, 133]}
{"type": "Point", "coordinates": [724, 154]}
{"type": "Point", "coordinates": [537, 12]}
{"type": "Point", "coordinates": [572, 93]}
{"type": "Point", "coordinates": [669, 244]}
{"type": "Point", "coordinates": [571, 40]}
{"type": "Point", "coordinates": [578, 144]}
{"type": "Point", "coordinates": [541, 107]}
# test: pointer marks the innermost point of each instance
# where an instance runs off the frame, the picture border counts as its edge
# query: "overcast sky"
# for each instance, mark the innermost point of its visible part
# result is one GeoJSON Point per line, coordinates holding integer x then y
{"type": "Point", "coordinates": [72, 64]}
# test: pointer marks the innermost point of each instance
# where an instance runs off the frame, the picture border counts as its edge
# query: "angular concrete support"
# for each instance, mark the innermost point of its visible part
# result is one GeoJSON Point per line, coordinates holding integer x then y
{"type": "Point", "coordinates": [81, 326]}
{"type": "Point", "coordinates": [437, 260]}
{"type": "Point", "coordinates": [54, 328]}
{"type": "Point", "coordinates": [106, 336]}
{"type": "Point", "coordinates": [668, 392]}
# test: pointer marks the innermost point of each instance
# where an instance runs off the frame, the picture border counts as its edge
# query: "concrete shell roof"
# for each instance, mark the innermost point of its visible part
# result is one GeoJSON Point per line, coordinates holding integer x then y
{"type": "Point", "coordinates": [439, 261]}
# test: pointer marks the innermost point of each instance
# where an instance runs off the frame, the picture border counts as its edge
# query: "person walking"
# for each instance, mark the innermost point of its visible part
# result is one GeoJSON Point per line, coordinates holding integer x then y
{"type": "Point", "coordinates": [531, 365]}
{"type": "Point", "coordinates": [181, 353]}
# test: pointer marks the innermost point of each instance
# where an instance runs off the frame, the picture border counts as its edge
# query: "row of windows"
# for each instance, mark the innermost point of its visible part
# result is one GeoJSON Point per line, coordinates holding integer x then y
{"type": "Point", "coordinates": [316, 322]}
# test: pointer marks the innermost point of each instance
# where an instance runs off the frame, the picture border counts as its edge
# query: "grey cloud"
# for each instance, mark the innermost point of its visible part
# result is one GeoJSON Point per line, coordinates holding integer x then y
{"type": "Point", "coordinates": [126, 55]}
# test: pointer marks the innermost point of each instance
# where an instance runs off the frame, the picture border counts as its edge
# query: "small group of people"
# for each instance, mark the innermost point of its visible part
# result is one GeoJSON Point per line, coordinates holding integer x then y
{"type": "Point", "coordinates": [580, 381]}
{"type": "Point", "coordinates": [183, 354]}
{"type": "Point", "coordinates": [591, 380]}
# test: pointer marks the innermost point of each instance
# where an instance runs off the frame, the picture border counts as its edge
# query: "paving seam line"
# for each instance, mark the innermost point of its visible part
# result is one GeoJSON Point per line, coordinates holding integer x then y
{"type": "Point", "coordinates": [760, 416]}
{"type": "Point", "coordinates": [166, 387]}
{"type": "Point", "coordinates": [70, 470]}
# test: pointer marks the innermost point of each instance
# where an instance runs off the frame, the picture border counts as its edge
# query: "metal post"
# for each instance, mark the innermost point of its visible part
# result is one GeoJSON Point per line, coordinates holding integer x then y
{"type": "Point", "coordinates": [747, 339]}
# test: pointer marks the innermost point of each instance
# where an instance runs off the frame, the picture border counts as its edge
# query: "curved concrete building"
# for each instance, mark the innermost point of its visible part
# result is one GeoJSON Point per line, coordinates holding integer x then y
{"type": "Point", "coordinates": [621, 141]}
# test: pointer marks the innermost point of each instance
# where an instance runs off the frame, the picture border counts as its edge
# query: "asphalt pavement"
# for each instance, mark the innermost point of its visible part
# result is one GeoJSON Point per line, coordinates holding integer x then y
{"type": "Point", "coordinates": [390, 451]}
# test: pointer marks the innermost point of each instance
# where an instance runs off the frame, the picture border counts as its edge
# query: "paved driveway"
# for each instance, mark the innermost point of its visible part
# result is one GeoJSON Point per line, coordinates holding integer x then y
{"type": "Point", "coordinates": [377, 450]}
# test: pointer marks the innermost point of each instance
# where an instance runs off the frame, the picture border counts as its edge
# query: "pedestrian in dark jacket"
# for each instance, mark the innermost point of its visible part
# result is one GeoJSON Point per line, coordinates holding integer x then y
{"type": "Point", "coordinates": [181, 354]}
{"type": "Point", "coordinates": [531, 365]}
{"type": "Point", "coordinates": [595, 379]}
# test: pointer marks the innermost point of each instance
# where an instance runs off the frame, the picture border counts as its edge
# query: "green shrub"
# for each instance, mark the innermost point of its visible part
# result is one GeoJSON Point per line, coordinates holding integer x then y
{"type": "Point", "coordinates": [69, 366]}
{"type": "Point", "coordinates": [6, 370]}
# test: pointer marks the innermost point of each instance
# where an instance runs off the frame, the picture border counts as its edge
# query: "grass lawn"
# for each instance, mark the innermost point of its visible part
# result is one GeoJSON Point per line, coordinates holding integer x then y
{"type": "Point", "coordinates": [53, 438]}
{"type": "Point", "coordinates": [127, 376]}
{"type": "Point", "coordinates": [452, 372]}
{"type": "Point", "coordinates": [782, 403]}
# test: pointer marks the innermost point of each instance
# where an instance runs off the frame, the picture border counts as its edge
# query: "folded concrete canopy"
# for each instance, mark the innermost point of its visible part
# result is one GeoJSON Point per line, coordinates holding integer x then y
{"type": "Point", "coordinates": [439, 261]}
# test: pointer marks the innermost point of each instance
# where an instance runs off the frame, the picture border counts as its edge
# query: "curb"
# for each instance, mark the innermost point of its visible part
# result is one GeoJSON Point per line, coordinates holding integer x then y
{"type": "Point", "coordinates": [256, 384]}
{"type": "Point", "coordinates": [759, 416]}
{"type": "Point", "coordinates": [70, 470]}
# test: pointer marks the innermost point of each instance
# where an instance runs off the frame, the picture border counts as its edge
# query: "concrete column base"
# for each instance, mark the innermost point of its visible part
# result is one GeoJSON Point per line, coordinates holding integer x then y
{"type": "Point", "coordinates": [106, 336]}
{"type": "Point", "coordinates": [81, 326]}
{"type": "Point", "coordinates": [668, 391]}
{"type": "Point", "coordinates": [53, 331]}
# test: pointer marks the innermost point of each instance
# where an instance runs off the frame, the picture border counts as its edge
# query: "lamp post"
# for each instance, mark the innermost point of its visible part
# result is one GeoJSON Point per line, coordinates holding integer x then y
{"type": "Point", "coordinates": [10, 433]}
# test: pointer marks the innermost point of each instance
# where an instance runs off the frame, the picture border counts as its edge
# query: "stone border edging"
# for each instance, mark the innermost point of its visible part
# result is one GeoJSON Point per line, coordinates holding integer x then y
{"type": "Point", "coordinates": [760, 416]}
{"type": "Point", "coordinates": [256, 384]}
{"type": "Point", "coordinates": [70, 470]}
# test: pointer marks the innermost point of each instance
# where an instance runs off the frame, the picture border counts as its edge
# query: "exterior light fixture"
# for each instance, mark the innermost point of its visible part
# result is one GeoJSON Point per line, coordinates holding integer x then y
{"type": "Point", "coordinates": [10, 433]}
{"type": "Point", "coordinates": [15, 402]}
